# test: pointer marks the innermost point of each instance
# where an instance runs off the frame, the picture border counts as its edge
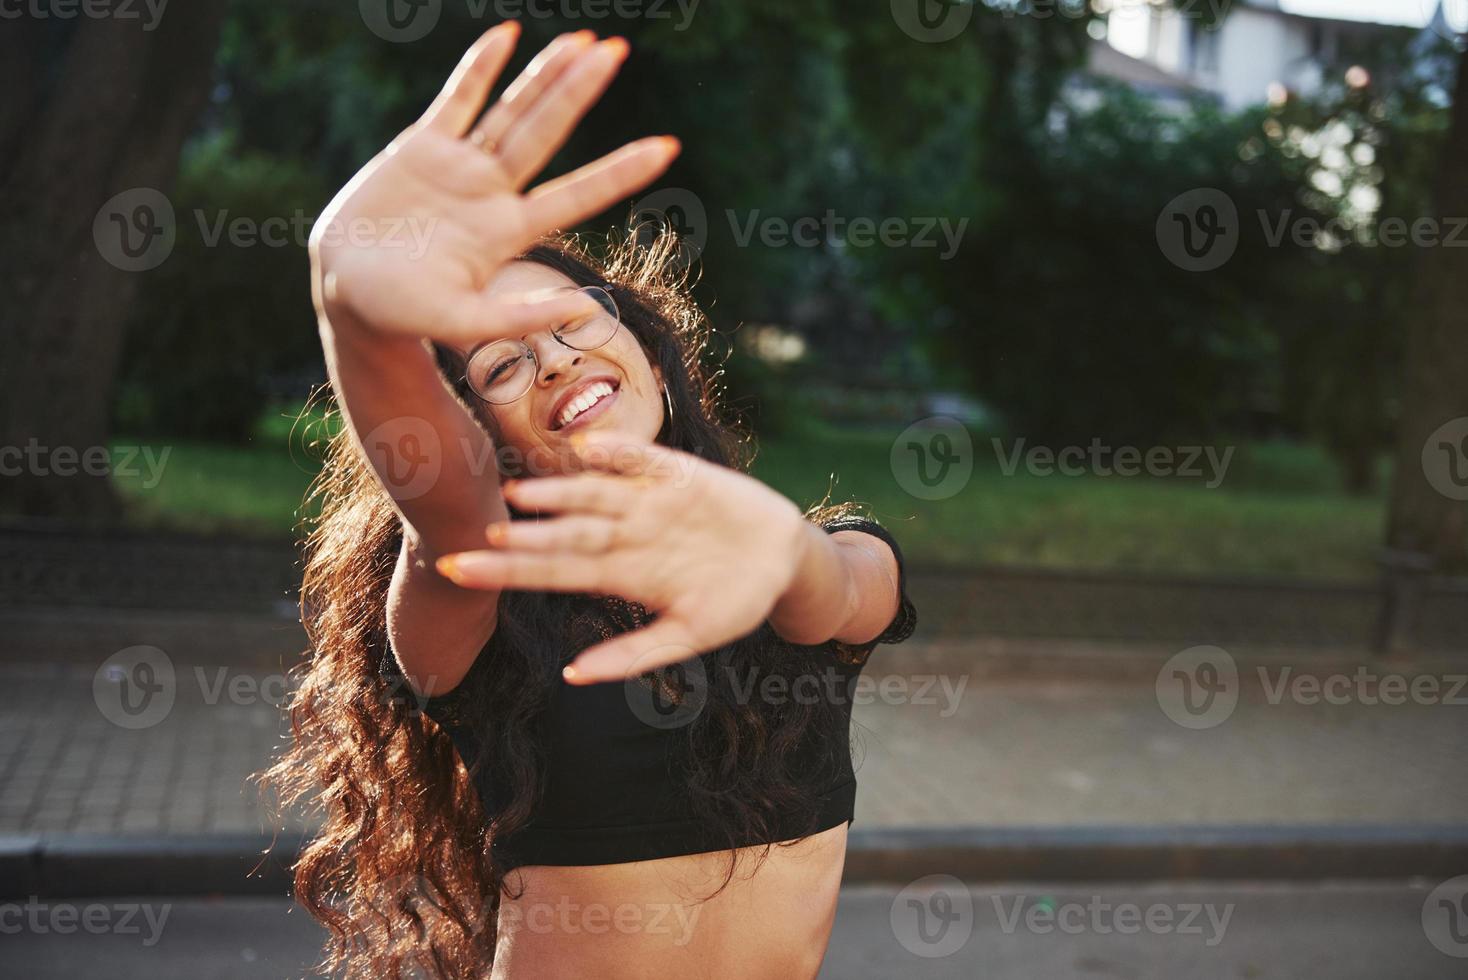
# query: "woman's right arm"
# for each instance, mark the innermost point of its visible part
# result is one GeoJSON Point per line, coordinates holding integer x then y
{"type": "Point", "coordinates": [427, 453]}
{"type": "Point", "coordinates": [402, 255]}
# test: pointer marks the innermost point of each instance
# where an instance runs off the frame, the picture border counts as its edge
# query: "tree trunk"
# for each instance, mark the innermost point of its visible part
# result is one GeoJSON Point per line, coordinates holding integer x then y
{"type": "Point", "coordinates": [96, 107]}
{"type": "Point", "coordinates": [1431, 476]}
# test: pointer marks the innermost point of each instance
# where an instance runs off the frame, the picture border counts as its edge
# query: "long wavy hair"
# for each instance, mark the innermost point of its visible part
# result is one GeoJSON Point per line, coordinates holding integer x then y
{"type": "Point", "coordinates": [403, 871]}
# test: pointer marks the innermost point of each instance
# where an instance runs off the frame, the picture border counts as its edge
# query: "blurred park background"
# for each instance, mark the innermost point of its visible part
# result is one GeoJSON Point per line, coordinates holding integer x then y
{"type": "Point", "coordinates": [1023, 155]}
{"type": "Point", "coordinates": [1140, 322]}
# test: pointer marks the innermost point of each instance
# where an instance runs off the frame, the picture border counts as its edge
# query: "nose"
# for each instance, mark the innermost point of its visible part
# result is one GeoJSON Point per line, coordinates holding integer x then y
{"type": "Point", "coordinates": [553, 358]}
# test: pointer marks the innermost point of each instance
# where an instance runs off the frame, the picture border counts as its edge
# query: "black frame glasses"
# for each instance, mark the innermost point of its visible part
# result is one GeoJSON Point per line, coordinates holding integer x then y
{"type": "Point", "coordinates": [503, 370]}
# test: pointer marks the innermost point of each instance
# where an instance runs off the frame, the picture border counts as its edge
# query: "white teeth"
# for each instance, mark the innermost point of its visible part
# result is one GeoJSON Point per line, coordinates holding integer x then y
{"type": "Point", "coordinates": [583, 401]}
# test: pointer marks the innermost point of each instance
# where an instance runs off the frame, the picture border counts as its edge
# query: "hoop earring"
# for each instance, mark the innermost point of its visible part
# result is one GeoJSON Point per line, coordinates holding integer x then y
{"type": "Point", "coordinates": [668, 397]}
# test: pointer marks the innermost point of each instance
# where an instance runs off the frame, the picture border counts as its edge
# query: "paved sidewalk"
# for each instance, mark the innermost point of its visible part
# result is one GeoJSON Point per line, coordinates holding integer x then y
{"type": "Point", "coordinates": [935, 748]}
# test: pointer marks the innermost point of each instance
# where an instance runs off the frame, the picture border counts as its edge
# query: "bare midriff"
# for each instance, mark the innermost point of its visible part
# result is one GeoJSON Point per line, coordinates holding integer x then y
{"type": "Point", "coordinates": [656, 919]}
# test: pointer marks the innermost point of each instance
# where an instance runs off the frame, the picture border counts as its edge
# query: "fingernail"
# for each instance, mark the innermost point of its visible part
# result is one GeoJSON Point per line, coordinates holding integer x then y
{"type": "Point", "coordinates": [670, 144]}
{"type": "Point", "coordinates": [495, 533]}
{"type": "Point", "coordinates": [578, 440]}
{"type": "Point", "coordinates": [568, 672]}
{"type": "Point", "coordinates": [448, 567]}
{"type": "Point", "coordinates": [509, 486]}
{"type": "Point", "coordinates": [617, 47]}
{"type": "Point", "coordinates": [508, 27]}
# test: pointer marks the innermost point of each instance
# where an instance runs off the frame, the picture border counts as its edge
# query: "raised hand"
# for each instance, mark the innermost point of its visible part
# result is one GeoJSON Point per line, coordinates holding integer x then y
{"type": "Point", "coordinates": [408, 244]}
{"type": "Point", "coordinates": [707, 549]}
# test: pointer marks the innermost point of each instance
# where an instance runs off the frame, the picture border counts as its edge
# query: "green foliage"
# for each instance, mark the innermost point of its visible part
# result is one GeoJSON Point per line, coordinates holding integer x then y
{"type": "Point", "coordinates": [1058, 308]}
{"type": "Point", "coordinates": [225, 324]}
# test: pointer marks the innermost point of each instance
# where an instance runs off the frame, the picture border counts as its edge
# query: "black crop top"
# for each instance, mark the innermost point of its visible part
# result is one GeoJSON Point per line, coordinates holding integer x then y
{"type": "Point", "coordinates": [612, 792]}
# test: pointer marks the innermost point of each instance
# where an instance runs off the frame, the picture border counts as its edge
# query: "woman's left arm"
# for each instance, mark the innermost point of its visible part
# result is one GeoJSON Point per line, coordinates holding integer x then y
{"type": "Point", "coordinates": [712, 552]}
{"type": "Point", "coordinates": [845, 589]}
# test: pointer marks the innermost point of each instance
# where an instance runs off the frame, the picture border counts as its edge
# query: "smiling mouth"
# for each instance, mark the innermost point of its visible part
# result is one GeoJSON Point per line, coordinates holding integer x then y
{"type": "Point", "coordinates": [589, 402]}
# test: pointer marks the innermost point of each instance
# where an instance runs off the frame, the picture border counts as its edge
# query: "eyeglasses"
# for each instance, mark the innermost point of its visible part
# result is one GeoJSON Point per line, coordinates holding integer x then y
{"type": "Point", "coordinates": [504, 370]}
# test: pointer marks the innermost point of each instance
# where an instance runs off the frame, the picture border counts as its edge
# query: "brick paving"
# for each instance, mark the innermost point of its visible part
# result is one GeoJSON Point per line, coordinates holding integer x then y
{"type": "Point", "coordinates": [1002, 752]}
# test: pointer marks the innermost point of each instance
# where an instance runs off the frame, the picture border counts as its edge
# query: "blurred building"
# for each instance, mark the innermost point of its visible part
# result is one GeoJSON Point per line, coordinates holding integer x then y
{"type": "Point", "coordinates": [1261, 46]}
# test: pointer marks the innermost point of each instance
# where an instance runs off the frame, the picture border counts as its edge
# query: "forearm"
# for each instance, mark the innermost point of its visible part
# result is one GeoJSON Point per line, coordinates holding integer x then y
{"type": "Point", "coordinates": [844, 589]}
{"type": "Point", "coordinates": [429, 454]}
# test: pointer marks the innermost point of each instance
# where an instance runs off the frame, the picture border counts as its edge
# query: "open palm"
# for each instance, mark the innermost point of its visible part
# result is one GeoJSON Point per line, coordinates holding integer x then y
{"type": "Point", "coordinates": [705, 548]}
{"type": "Point", "coordinates": [409, 243]}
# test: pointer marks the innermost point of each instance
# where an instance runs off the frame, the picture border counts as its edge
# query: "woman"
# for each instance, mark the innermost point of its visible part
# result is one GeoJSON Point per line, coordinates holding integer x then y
{"type": "Point", "coordinates": [592, 720]}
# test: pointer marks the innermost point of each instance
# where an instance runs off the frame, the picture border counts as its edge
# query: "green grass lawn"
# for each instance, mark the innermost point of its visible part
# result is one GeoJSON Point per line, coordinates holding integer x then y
{"type": "Point", "coordinates": [1280, 510]}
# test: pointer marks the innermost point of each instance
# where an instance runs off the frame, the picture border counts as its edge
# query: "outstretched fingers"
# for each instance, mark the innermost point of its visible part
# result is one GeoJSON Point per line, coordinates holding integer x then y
{"type": "Point", "coordinates": [529, 571]}
{"type": "Point", "coordinates": [589, 190]}
{"type": "Point", "coordinates": [481, 317]}
{"type": "Point", "coordinates": [530, 142]}
{"type": "Point", "coordinates": [532, 83]}
{"type": "Point", "coordinates": [667, 641]}
{"type": "Point", "coordinates": [464, 94]}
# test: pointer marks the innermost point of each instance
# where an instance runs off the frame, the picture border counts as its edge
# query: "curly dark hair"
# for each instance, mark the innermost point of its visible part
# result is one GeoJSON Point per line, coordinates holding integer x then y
{"type": "Point", "coordinates": [396, 801]}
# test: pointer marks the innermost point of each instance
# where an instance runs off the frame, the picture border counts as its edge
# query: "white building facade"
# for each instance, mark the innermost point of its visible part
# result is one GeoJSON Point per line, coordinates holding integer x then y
{"type": "Point", "coordinates": [1258, 47]}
